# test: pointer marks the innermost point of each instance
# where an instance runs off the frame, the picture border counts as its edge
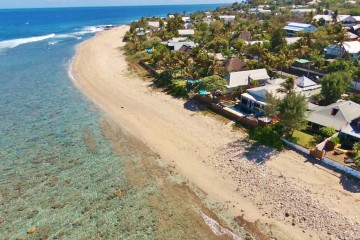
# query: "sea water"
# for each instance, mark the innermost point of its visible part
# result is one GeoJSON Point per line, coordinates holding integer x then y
{"type": "Point", "coordinates": [66, 170]}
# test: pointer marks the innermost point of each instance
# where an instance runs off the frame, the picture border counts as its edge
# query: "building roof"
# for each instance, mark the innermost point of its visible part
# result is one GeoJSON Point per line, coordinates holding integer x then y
{"type": "Point", "coordinates": [298, 27]}
{"type": "Point", "coordinates": [234, 64]}
{"type": "Point", "coordinates": [186, 49]}
{"type": "Point", "coordinates": [357, 18]}
{"type": "Point", "coordinates": [352, 47]}
{"type": "Point", "coordinates": [154, 24]}
{"type": "Point", "coordinates": [336, 115]}
{"type": "Point", "coordinates": [242, 78]}
{"type": "Point", "coordinates": [304, 82]}
{"type": "Point", "coordinates": [341, 18]}
{"type": "Point", "coordinates": [327, 18]}
{"type": "Point", "coordinates": [351, 35]}
{"type": "Point", "coordinates": [352, 130]}
{"type": "Point", "coordinates": [178, 45]}
{"type": "Point", "coordinates": [184, 32]}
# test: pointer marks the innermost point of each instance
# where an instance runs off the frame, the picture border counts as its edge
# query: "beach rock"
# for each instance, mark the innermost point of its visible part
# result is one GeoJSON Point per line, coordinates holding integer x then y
{"type": "Point", "coordinates": [118, 193]}
{"type": "Point", "coordinates": [31, 230]}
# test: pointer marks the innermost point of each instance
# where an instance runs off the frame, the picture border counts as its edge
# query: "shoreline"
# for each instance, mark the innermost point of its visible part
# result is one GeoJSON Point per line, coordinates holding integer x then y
{"type": "Point", "coordinates": [194, 145]}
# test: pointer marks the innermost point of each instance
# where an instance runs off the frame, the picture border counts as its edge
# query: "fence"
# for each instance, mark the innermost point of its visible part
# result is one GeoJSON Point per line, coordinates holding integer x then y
{"type": "Point", "coordinates": [327, 161]}
{"type": "Point", "coordinates": [341, 167]}
{"type": "Point", "coordinates": [297, 147]}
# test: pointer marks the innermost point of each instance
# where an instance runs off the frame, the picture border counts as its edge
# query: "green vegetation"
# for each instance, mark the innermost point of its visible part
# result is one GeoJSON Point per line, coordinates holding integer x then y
{"type": "Point", "coordinates": [268, 136]}
{"type": "Point", "coordinates": [334, 85]}
{"type": "Point", "coordinates": [292, 111]}
{"type": "Point", "coordinates": [327, 131]}
{"type": "Point", "coordinates": [303, 139]}
{"type": "Point", "coordinates": [271, 51]}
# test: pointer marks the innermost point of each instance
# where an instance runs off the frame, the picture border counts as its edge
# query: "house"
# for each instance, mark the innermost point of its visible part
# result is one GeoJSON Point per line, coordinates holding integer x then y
{"type": "Point", "coordinates": [302, 10]}
{"type": "Point", "coordinates": [328, 19]}
{"type": "Point", "coordinates": [244, 78]}
{"type": "Point", "coordinates": [227, 18]}
{"type": "Point", "coordinates": [255, 98]}
{"type": "Point", "coordinates": [306, 84]}
{"type": "Point", "coordinates": [186, 49]}
{"type": "Point", "coordinates": [292, 28]}
{"type": "Point", "coordinates": [234, 64]}
{"type": "Point", "coordinates": [350, 48]}
{"type": "Point", "coordinates": [176, 43]}
{"type": "Point", "coordinates": [344, 116]}
{"type": "Point", "coordinates": [258, 10]}
{"type": "Point", "coordinates": [186, 32]}
{"type": "Point", "coordinates": [346, 20]}
{"type": "Point", "coordinates": [154, 25]}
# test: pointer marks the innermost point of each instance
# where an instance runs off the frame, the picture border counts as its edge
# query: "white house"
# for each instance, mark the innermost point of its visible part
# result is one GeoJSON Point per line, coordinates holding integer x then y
{"type": "Point", "coordinates": [351, 48]}
{"type": "Point", "coordinates": [305, 84]}
{"type": "Point", "coordinates": [176, 43]}
{"type": "Point", "coordinates": [258, 10]}
{"type": "Point", "coordinates": [346, 20]}
{"type": "Point", "coordinates": [154, 25]}
{"type": "Point", "coordinates": [243, 78]}
{"type": "Point", "coordinates": [327, 18]}
{"type": "Point", "coordinates": [302, 10]}
{"type": "Point", "coordinates": [292, 28]}
{"type": "Point", "coordinates": [227, 18]}
{"type": "Point", "coordinates": [186, 32]}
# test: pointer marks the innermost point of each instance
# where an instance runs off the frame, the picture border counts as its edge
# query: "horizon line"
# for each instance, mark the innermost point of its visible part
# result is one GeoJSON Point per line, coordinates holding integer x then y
{"type": "Point", "coordinates": [94, 6]}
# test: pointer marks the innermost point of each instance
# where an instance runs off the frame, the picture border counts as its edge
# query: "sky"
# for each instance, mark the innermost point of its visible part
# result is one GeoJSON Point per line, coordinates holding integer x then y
{"type": "Point", "coordinates": [80, 3]}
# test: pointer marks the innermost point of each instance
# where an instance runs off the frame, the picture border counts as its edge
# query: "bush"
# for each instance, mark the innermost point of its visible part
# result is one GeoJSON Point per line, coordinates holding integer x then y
{"type": "Point", "coordinates": [178, 89]}
{"type": "Point", "coordinates": [335, 140]}
{"type": "Point", "coordinates": [327, 131]}
{"type": "Point", "coordinates": [268, 136]}
{"type": "Point", "coordinates": [164, 79]}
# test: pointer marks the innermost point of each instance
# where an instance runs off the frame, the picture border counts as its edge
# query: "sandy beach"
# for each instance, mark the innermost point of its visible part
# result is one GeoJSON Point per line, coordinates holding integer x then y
{"type": "Point", "coordinates": [288, 195]}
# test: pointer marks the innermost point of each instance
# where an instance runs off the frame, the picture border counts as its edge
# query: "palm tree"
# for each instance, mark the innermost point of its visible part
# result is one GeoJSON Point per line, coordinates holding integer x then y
{"type": "Point", "coordinates": [283, 60]}
{"type": "Point", "coordinates": [287, 86]}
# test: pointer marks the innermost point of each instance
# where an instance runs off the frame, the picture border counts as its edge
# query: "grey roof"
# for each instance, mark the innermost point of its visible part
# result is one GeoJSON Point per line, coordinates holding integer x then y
{"type": "Point", "coordinates": [324, 116]}
{"type": "Point", "coordinates": [185, 32]}
{"type": "Point", "coordinates": [241, 78]}
{"type": "Point", "coordinates": [304, 82]}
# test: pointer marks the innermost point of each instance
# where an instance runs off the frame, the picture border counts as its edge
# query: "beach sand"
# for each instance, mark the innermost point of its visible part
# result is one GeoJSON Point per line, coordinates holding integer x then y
{"type": "Point", "coordinates": [288, 195]}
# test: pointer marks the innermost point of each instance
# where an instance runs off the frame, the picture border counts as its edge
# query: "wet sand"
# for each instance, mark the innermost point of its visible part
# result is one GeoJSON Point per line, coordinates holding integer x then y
{"type": "Point", "coordinates": [210, 154]}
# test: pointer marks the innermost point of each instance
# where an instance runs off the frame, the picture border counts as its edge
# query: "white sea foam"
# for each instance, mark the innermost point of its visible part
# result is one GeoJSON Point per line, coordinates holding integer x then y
{"type": "Point", "coordinates": [77, 35]}
{"type": "Point", "coordinates": [215, 227]}
{"type": "Point", "coordinates": [16, 42]}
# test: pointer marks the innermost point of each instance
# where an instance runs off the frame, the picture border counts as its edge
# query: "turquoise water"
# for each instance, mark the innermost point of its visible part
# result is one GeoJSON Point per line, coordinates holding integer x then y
{"type": "Point", "coordinates": [66, 169]}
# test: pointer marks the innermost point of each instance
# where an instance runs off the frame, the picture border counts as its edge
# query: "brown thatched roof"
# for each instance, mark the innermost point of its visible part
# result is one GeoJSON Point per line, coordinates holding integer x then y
{"type": "Point", "coordinates": [234, 64]}
{"type": "Point", "coordinates": [245, 35]}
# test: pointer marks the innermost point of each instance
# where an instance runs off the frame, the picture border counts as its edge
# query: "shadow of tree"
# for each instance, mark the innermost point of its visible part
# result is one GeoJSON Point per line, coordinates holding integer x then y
{"type": "Point", "coordinates": [195, 105]}
{"type": "Point", "coordinates": [350, 183]}
{"type": "Point", "coordinates": [259, 153]}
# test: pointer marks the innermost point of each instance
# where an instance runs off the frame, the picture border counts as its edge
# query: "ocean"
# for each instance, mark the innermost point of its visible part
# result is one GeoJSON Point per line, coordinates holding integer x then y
{"type": "Point", "coordinates": [67, 171]}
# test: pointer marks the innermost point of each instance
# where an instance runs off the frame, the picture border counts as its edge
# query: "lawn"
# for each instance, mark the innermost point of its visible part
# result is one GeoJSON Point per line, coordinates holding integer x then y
{"type": "Point", "coordinates": [303, 139]}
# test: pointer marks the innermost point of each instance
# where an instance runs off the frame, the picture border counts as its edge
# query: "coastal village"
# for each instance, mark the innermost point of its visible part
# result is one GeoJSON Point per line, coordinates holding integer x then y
{"type": "Point", "coordinates": [288, 73]}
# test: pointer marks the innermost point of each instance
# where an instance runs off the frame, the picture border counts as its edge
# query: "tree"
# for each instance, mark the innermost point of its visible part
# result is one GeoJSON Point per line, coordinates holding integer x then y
{"type": "Point", "coordinates": [217, 27]}
{"type": "Point", "coordinates": [271, 108]}
{"type": "Point", "coordinates": [334, 85]}
{"type": "Point", "coordinates": [292, 113]}
{"type": "Point", "coordinates": [287, 86]}
{"type": "Point", "coordinates": [212, 84]}
{"type": "Point", "coordinates": [218, 44]}
{"type": "Point", "coordinates": [174, 24]}
{"type": "Point", "coordinates": [277, 40]}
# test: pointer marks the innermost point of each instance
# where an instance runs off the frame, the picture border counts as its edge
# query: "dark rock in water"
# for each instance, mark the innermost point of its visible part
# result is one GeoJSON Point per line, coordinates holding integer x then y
{"type": "Point", "coordinates": [33, 214]}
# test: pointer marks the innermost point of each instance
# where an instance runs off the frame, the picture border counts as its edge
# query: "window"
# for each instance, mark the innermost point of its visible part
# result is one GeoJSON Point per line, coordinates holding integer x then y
{"type": "Point", "coordinates": [334, 111]}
